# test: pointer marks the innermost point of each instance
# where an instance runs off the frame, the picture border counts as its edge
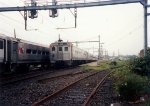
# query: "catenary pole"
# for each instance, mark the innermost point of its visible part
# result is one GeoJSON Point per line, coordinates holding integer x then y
{"type": "Point", "coordinates": [145, 28]}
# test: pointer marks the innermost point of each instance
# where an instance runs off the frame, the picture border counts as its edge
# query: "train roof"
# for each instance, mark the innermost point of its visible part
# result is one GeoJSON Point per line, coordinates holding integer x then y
{"type": "Point", "coordinates": [61, 42]}
{"type": "Point", "coordinates": [21, 40]}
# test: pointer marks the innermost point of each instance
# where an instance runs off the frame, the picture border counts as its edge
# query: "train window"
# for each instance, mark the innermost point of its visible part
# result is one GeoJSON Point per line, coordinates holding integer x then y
{"type": "Point", "coordinates": [60, 48]}
{"type": "Point", "coordinates": [43, 53]}
{"type": "Point", "coordinates": [64, 43]}
{"type": "Point", "coordinates": [20, 50]}
{"type": "Point", "coordinates": [34, 51]}
{"type": "Point", "coordinates": [28, 51]}
{"type": "Point", "coordinates": [47, 53]}
{"type": "Point", "coordinates": [53, 48]}
{"type": "Point", "coordinates": [60, 43]}
{"type": "Point", "coordinates": [15, 46]}
{"type": "Point", "coordinates": [39, 52]}
{"type": "Point", "coordinates": [66, 48]}
{"type": "Point", "coordinates": [1, 44]}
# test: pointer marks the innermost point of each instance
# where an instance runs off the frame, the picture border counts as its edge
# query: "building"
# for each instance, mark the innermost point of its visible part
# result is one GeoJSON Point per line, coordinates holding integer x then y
{"type": "Point", "coordinates": [141, 54]}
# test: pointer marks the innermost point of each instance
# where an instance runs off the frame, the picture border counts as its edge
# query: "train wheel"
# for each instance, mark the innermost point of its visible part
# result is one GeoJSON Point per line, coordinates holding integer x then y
{"type": "Point", "coordinates": [13, 68]}
{"type": "Point", "coordinates": [9, 68]}
{"type": "Point", "coordinates": [44, 67]}
{"type": "Point", "coordinates": [2, 68]}
{"type": "Point", "coordinates": [25, 67]}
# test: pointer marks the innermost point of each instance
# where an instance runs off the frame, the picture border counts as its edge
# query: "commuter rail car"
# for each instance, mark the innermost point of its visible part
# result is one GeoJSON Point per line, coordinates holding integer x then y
{"type": "Point", "coordinates": [64, 53]}
{"type": "Point", "coordinates": [20, 54]}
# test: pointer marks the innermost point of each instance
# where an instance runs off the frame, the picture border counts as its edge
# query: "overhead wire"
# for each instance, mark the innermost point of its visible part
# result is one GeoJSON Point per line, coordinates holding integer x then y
{"type": "Point", "coordinates": [126, 36]}
{"type": "Point", "coordinates": [11, 18]}
{"type": "Point", "coordinates": [129, 34]}
{"type": "Point", "coordinates": [120, 32]}
{"type": "Point", "coordinates": [8, 33]}
{"type": "Point", "coordinates": [23, 23]}
{"type": "Point", "coordinates": [17, 21]}
{"type": "Point", "coordinates": [115, 41]}
{"type": "Point", "coordinates": [40, 31]}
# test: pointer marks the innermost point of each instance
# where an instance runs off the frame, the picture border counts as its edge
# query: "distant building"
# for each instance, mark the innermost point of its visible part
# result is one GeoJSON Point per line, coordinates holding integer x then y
{"type": "Point", "coordinates": [141, 54]}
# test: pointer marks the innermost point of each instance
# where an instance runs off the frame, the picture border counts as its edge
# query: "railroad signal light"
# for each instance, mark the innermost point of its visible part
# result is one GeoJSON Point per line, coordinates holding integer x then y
{"type": "Point", "coordinates": [33, 13]}
{"type": "Point", "coordinates": [53, 13]}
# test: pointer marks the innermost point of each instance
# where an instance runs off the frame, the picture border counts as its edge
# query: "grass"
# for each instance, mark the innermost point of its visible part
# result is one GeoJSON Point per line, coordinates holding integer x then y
{"type": "Point", "coordinates": [129, 85]}
{"type": "Point", "coordinates": [104, 65]}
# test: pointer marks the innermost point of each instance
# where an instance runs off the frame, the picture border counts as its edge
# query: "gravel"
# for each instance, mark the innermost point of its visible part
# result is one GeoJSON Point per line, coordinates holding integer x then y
{"type": "Point", "coordinates": [26, 92]}
{"type": "Point", "coordinates": [105, 94]}
{"type": "Point", "coordinates": [76, 94]}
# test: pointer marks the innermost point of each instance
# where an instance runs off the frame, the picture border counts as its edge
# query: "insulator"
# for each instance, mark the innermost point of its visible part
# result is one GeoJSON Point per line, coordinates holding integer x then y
{"type": "Point", "coordinates": [53, 13]}
{"type": "Point", "coordinates": [33, 14]}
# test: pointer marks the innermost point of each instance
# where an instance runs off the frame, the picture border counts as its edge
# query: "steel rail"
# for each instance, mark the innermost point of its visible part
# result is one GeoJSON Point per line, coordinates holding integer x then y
{"type": "Point", "coordinates": [95, 89]}
{"type": "Point", "coordinates": [22, 78]}
{"type": "Point", "coordinates": [60, 76]}
{"type": "Point", "coordinates": [43, 100]}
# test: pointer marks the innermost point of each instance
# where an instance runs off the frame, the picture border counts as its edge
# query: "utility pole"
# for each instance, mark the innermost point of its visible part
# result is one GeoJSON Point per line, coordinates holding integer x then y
{"type": "Point", "coordinates": [99, 48]}
{"type": "Point", "coordinates": [145, 28]}
{"type": "Point", "coordinates": [14, 33]}
{"type": "Point", "coordinates": [113, 54]}
{"type": "Point", "coordinates": [118, 53]}
{"type": "Point", "coordinates": [93, 49]}
{"type": "Point", "coordinates": [105, 54]}
{"type": "Point", "coordinates": [102, 51]}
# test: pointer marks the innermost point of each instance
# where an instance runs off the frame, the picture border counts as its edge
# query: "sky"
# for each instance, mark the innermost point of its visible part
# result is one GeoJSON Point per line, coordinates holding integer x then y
{"type": "Point", "coordinates": [120, 27]}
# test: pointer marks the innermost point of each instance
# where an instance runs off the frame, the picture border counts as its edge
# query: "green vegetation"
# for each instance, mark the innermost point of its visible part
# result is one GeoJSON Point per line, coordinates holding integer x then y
{"type": "Point", "coordinates": [131, 79]}
{"type": "Point", "coordinates": [130, 86]}
{"type": "Point", "coordinates": [104, 65]}
{"type": "Point", "coordinates": [140, 66]}
{"type": "Point", "coordinates": [147, 103]}
{"type": "Point", "coordinates": [131, 76]}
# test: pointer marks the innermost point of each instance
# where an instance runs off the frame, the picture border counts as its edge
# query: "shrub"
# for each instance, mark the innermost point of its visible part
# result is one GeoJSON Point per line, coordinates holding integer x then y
{"type": "Point", "coordinates": [130, 86]}
{"type": "Point", "coordinates": [113, 63]}
{"type": "Point", "coordinates": [141, 66]}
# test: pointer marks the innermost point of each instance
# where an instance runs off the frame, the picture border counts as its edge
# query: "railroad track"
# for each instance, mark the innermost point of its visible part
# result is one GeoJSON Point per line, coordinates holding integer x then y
{"type": "Point", "coordinates": [103, 95]}
{"type": "Point", "coordinates": [21, 77]}
{"type": "Point", "coordinates": [13, 75]}
{"type": "Point", "coordinates": [14, 79]}
{"type": "Point", "coordinates": [78, 93]}
{"type": "Point", "coordinates": [45, 80]}
{"type": "Point", "coordinates": [17, 74]}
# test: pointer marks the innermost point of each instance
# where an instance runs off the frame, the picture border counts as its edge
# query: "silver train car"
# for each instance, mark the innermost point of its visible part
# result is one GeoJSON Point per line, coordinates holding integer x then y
{"type": "Point", "coordinates": [64, 53]}
{"type": "Point", "coordinates": [17, 53]}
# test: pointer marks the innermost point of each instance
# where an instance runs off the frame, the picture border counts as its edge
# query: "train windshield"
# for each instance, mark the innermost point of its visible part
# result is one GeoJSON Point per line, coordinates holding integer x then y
{"type": "Point", "coordinates": [53, 48]}
{"type": "Point", "coordinates": [60, 48]}
{"type": "Point", "coordinates": [1, 44]}
{"type": "Point", "coordinates": [66, 48]}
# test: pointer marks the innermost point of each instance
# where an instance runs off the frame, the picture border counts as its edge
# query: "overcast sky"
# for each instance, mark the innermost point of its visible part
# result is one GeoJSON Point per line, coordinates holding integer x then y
{"type": "Point", "coordinates": [119, 26]}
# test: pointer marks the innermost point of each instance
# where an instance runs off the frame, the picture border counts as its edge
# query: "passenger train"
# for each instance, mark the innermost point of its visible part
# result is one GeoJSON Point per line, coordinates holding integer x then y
{"type": "Point", "coordinates": [65, 53]}
{"type": "Point", "coordinates": [17, 54]}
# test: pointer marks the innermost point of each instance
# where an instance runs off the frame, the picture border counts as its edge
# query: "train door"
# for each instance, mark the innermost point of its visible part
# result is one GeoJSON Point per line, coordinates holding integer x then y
{"type": "Point", "coordinates": [15, 51]}
{"type": "Point", "coordinates": [66, 53]}
{"type": "Point", "coordinates": [1, 50]}
{"type": "Point", "coordinates": [8, 50]}
{"type": "Point", "coordinates": [60, 53]}
{"type": "Point", "coordinates": [53, 53]}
